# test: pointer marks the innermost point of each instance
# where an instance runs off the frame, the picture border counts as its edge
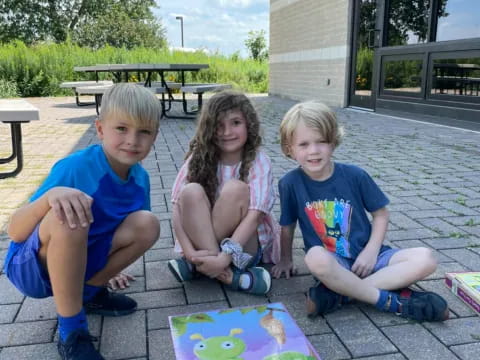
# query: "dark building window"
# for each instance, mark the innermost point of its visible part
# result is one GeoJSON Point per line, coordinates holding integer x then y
{"type": "Point", "coordinates": [458, 19]}
{"type": "Point", "coordinates": [458, 77]}
{"type": "Point", "coordinates": [403, 76]}
{"type": "Point", "coordinates": [408, 22]}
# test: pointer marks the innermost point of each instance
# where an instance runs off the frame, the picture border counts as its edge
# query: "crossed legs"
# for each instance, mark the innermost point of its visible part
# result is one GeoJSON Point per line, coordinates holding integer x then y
{"type": "Point", "coordinates": [404, 268]}
{"type": "Point", "coordinates": [203, 227]}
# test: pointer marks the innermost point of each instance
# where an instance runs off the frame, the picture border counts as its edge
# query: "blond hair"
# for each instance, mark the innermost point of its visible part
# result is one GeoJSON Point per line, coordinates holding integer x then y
{"type": "Point", "coordinates": [136, 103]}
{"type": "Point", "coordinates": [314, 115]}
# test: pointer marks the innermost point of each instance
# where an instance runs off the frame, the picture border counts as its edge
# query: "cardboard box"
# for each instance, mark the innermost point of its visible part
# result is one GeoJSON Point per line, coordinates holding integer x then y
{"type": "Point", "coordinates": [466, 285]}
{"type": "Point", "coordinates": [260, 332]}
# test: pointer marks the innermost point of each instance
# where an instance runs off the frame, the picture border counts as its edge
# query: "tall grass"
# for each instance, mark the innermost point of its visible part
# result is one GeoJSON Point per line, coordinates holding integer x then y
{"type": "Point", "coordinates": [39, 69]}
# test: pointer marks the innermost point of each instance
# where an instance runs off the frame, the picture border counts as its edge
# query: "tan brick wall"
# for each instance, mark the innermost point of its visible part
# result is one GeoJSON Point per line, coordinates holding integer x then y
{"type": "Point", "coordinates": [309, 49]}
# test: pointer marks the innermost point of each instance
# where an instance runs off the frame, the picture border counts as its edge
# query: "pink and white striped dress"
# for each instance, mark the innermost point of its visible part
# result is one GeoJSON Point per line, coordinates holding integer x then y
{"type": "Point", "coordinates": [262, 198]}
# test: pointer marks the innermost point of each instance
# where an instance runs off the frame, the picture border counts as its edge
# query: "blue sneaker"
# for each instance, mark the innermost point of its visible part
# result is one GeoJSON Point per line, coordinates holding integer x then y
{"type": "Point", "coordinates": [321, 300]}
{"type": "Point", "coordinates": [108, 303]}
{"type": "Point", "coordinates": [421, 305]}
{"type": "Point", "coordinates": [78, 346]}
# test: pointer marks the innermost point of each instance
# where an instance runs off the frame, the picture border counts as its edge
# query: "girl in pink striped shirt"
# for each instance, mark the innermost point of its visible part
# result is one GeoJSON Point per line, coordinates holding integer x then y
{"type": "Point", "coordinates": [223, 198]}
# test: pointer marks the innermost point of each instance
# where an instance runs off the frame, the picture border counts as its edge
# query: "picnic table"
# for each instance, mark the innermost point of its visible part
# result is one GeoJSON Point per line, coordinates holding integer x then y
{"type": "Point", "coordinates": [15, 112]}
{"type": "Point", "coordinates": [121, 72]}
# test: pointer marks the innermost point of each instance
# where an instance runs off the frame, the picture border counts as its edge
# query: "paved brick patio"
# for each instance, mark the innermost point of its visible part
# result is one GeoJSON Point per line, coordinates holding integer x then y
{"type": "Point", "coordinates": [430, 173]}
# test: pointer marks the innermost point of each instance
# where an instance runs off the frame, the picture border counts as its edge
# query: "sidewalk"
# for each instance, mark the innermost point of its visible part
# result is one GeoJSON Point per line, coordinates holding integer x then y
{"type": "Point", "coordinates": [430, 173]}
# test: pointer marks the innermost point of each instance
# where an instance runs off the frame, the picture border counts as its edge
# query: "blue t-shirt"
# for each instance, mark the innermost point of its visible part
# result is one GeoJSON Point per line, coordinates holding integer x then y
{"type": "Point", "coordinates": [331, 213]}
{"type": "Point", "coordinates": [114, 199]}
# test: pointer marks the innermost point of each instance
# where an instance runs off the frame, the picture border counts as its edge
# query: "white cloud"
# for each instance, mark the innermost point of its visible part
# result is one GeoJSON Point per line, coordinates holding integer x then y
{"type": "Point", "coordinates": [218, 25]}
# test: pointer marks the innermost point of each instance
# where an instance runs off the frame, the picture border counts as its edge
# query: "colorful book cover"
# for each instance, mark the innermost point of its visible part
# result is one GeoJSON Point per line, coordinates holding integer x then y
{"type": "Point", "coordinates": [466, 285]}
{"type": "Point", "coordinates": [261, 332]}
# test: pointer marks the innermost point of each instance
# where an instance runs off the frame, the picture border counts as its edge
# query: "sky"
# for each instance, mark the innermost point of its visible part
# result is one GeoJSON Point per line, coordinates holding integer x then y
{"type": "Point", "coordinates": [216, 25]}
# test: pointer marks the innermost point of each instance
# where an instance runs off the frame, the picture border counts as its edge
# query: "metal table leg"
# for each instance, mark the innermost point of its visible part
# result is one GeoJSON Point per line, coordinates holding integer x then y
{"type": "Point", "coordinates": [17, 151]}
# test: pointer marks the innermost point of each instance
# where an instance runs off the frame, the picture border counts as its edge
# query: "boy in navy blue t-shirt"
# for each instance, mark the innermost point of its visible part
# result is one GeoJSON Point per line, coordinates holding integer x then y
{"type": "Point", "coordinates": [89, 220]}
{"type": "Point", "coordinates": [344, 250]}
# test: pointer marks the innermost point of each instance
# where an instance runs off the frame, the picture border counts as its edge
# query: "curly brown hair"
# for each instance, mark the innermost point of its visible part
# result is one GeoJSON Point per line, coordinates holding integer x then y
{"type": "Point", "coordinates": [204, 151]}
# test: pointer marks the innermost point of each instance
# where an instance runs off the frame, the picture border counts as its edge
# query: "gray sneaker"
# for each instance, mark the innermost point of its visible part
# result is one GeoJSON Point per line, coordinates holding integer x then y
{"type": "Point", "coordinates": [181, 269]}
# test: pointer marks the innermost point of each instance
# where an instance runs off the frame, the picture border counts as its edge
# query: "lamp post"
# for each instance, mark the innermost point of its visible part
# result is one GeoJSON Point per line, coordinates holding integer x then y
{"type": "Point", "coordinates": [181, 25]}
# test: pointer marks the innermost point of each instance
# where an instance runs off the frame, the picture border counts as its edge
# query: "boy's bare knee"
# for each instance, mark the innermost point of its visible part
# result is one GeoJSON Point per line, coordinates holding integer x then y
{"type": "Point", "coordinates": [427, 259]}
{"type": "Point", "coordinates": [52, 228]}
{"type": "Point", "coordinates": [147, 227]}
{"type": "Point", "coordinates": [319, 261]}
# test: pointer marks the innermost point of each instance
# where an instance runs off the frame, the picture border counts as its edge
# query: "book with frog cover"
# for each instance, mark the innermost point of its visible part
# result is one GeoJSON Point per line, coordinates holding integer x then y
{"type": "Point", "coordinates": [466, 285]}
{"type": "Point", "coordinates": [260, 332]}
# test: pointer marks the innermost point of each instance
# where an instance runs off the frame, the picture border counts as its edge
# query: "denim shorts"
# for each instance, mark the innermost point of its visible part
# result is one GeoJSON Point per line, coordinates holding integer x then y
{"type": "Point", "coordinates": [382, 260]}
{"type": "Point", "coordinates": [25, 271]}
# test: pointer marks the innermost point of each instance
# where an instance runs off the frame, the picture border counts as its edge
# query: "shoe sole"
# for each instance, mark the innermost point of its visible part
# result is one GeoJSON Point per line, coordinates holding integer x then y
{"type": "Point", "coordinates": [175, 270]}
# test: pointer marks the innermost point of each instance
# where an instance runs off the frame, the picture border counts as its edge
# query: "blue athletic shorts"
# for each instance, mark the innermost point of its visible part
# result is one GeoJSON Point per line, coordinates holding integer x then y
{"type": "Point", "coordinates": [24, 269]}
{"type": "Point", "coordinates": [382, 260]}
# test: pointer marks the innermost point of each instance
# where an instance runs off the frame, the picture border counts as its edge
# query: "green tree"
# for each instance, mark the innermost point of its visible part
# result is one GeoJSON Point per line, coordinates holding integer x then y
{"type": "Point", "coordinates": [38, 20]}
{"type": "Point", "coordinates": [126, 24]}
{"type": "Point", "coordinates": [257, 45]}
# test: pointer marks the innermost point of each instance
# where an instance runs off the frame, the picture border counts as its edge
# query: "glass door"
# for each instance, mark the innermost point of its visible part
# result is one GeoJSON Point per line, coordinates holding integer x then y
{"type": "Point", "coordinates": [366, 37]}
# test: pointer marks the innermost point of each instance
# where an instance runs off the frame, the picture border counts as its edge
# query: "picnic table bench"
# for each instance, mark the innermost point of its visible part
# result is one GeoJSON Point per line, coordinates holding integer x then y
{"type": "Point", "coordinates": [76, 84]}
{"type": "Point", "coordinates": [15, 112]}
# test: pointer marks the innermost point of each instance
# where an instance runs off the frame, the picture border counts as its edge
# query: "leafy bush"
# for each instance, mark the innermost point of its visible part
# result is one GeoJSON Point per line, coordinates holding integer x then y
{"type": "Point", "coordinates": [8, 89]}
{"type": "Point", "coordinates": [38, 70]}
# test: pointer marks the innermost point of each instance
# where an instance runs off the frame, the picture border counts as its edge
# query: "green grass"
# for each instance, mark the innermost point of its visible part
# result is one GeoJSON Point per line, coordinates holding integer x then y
{"type": "Point", "coordinates": [39, 69]}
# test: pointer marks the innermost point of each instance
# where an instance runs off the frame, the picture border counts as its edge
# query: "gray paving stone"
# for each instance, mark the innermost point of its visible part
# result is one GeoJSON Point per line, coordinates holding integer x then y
{"type": "Point", "coordinates": [238, 298]}
{"type": "Point", "coordinates": [443, 268]}
{"type": "Point", "coordinates": [465, 257]}
{"type": "Point", "coordinates": [381, 318]}
{"type": "Point", "coordinates": [411, 234]}
{"type": "Point", "coordinates": [296, 284]}
{"type": "Point", "coordinates": [203, 290]}
{"type": "Point", "coordinates": [412, 340]}
{"type": "Point", "coordinates": [329, 347]}
{"type": "Point", "coordinates": [423, 214]}
{"type": "Point", "coordinates": [465, 352]}
{"type": "Point", "coordinates": [8, 312]}
{"type": "Point", "coordinates": [452, 243]}
{"type": "Point", "coordinates": [160, 346]}
{"type": "Point", "coordinates": [117, 340]}
{"type": "Point", "coordinates": [158, 318]}
{"type": "Point", "coordinates": [9, 293]}
{"type": "Point", "coordinates": [440, 226]}
{"type": "Point", "coordinates": [396, 356]}
{"type": "Point", "coordinates": [159, 277]}
{"type": "Point", "coordinates": [456, 331]}
{"type": "Point", "coordinates": [160, 254]}
{"type": "Point", "coordinates": [26, 333]}
{"type": "Point", "coordinates": [46, 351]}
{"type": "Point", "coordinates": [358, 333]}
{"type": "Point", "coordinates": [295, 304]}
{"type": "Point", "coordinates": [37, 309]}
{"type": "Point", "coordinates": [162, 298]}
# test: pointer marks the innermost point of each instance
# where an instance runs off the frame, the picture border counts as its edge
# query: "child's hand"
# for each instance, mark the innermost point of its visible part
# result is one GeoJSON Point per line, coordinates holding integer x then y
{"type": "Point", "coordinates": [71, 205]}
{"type": "Point", "coordinates": [120, 281]}
{"type": "Point", "coordinates": [284, 266]}
{"type": "Point", "coordinates": [365, 262]}
{"type": "Point", "coordinates": [212, 266]}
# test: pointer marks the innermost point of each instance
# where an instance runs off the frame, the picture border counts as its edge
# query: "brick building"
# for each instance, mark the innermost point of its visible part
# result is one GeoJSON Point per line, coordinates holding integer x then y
{"type": "Point", "coordinates": [414, 56]}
